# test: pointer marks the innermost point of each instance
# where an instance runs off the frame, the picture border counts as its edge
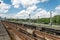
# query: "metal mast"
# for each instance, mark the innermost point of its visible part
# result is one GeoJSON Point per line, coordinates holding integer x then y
{"type": "Point", "coordinates": [50, 18]}
{"type": "Point", "coordinates": [29, 18]}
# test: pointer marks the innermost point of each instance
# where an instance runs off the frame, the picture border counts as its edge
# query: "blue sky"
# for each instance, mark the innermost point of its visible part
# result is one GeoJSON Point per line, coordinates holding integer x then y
{"type": "Point", "coordinates": [16, 7]}
{"type": "Point", "coordinates": [50, 5]}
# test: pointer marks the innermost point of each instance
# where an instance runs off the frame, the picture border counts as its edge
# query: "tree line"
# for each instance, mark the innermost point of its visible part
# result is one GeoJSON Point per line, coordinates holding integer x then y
{"type": "Point", "coordinates": [55, 20]}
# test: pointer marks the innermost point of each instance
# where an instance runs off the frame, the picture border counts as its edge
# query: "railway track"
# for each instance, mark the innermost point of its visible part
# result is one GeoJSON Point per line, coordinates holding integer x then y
{"type": "Point", "coordinates": [25, 33]}
{"type": "Point", "coordinates": [18, 33]}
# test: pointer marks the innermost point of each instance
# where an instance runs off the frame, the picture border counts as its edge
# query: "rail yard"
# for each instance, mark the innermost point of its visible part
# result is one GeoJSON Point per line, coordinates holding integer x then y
{"type": "Point", "coordinates": [16, 31]}
{"type": "Point", "coordinates": [29, 19]}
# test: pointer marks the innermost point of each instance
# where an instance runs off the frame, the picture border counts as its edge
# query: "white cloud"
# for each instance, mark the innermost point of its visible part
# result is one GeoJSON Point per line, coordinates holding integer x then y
{"type": "Point", "coordinates": [46, 14]}
{"type": "Point", "coordinates": [39, 12]}
{"type": "Point", "coordinates": [7, 15]}
{"type": "Point", "coordinates": [42, 14]}
{"type": "Point", "coordinates": [57, 10]}
{"type": "Point", "coordinates": [26, 3]}
{"type": "Point", "coordinates": [4, 7]}
{"type": "Point", "coordinates": [58, 7]}
{"type": "Point", "coordinates": [31, 9]}
{"type": "Point", "coordinates": [25, 13]}
{"type": "Point", "coordinates": [16, 6]}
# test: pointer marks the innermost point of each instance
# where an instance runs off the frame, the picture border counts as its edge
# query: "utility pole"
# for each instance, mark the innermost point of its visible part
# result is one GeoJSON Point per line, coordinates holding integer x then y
{"type": "Point", "coordinates": [37, 22]}
{"type": "Point", "coordinates": [38, 19]}
{"type": "Point", "coordinates": [5, 19]}
{"type": "Point", "coordinates": [50, 18]}
{"type": "Point", "coordinates": [29, 18]}
{"type": "Point", "coordinates": [17, 19]}
{"type": "Point", "coordinates": [0, 19]}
